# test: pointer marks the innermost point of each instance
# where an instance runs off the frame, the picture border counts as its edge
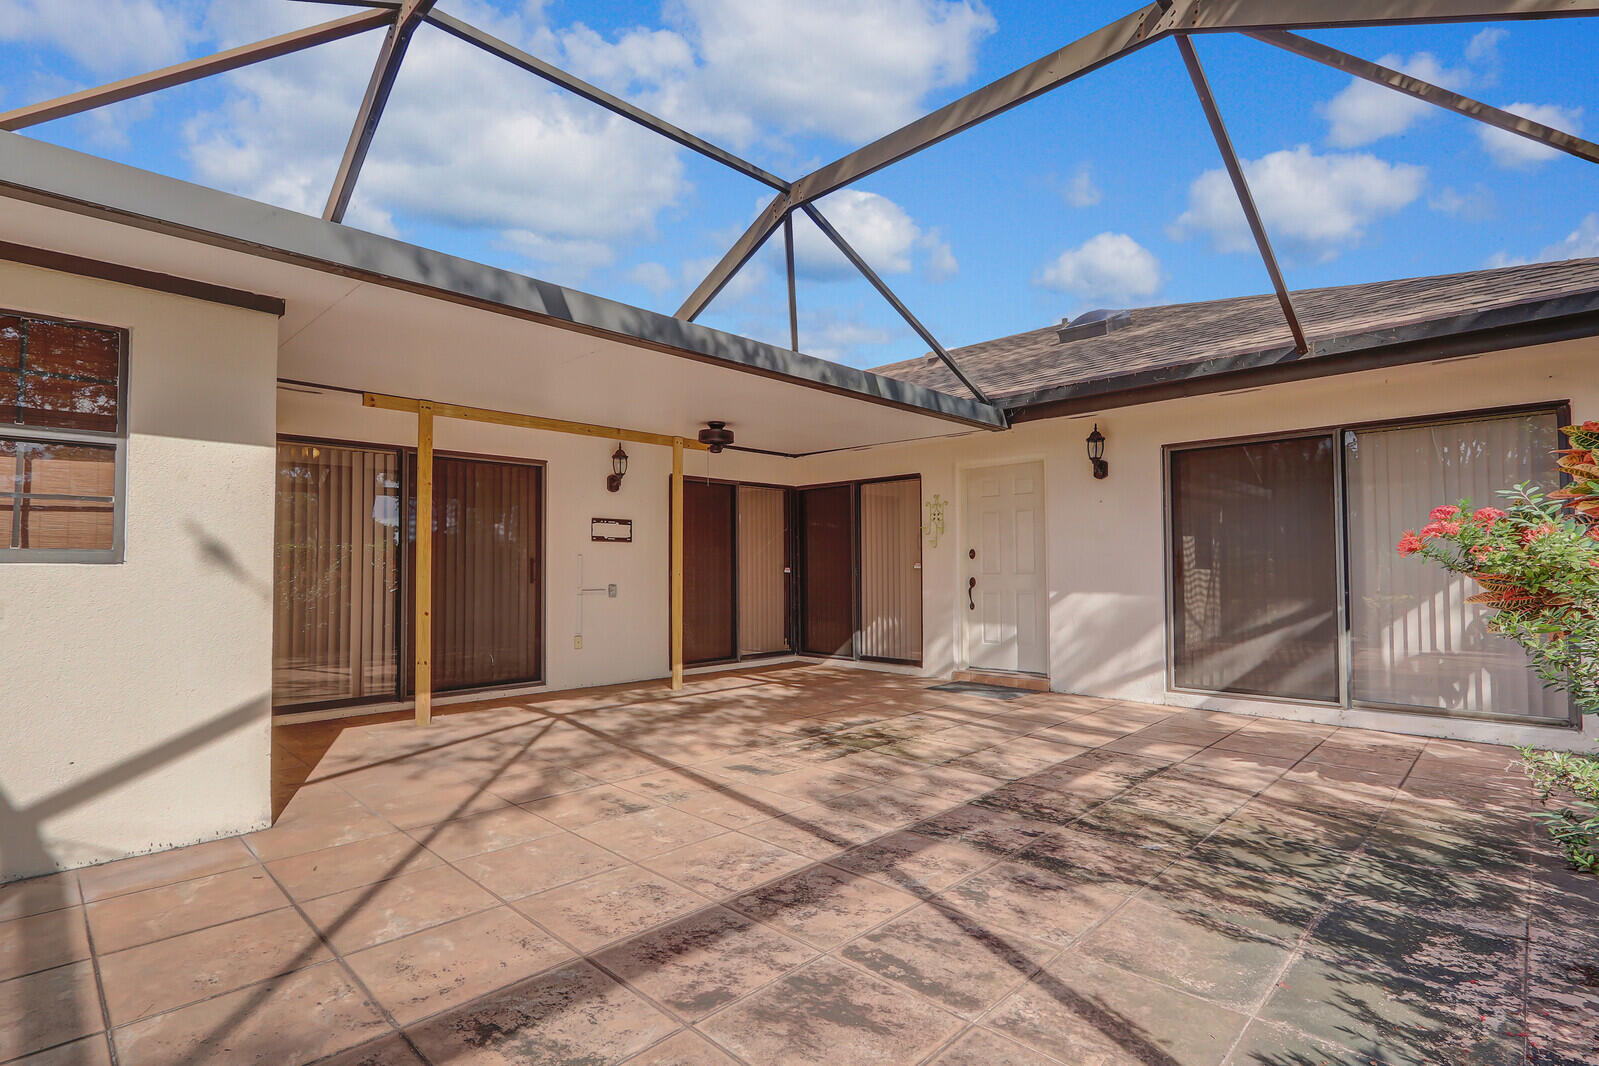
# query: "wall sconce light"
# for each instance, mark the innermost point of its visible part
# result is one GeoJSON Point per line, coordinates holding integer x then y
{"type": "Point", "coordinates": [1096, 453]}
{"type": "Point", "coordinates": [618, 469]}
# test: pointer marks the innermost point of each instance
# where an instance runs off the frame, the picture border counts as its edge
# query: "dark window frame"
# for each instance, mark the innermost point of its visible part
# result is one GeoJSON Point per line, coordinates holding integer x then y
{"type": "Point", "coordinates": [1561, 409]}
{"type": "Point", "coordinates": [116, 439]}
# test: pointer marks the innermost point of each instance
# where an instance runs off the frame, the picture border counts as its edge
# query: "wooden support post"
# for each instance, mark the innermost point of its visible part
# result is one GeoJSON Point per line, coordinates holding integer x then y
{"type": "Point", "coordinates": [424, 563]}
{"type": "Point", "coordinates": [677, 564]}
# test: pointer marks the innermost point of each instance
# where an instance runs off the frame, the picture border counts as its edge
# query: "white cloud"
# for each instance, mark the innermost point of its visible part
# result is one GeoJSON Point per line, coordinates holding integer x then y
{"type": "Point", "coordinates": [1580, 243]}
{"type": "Point", "coordinates": [879, 229]}
{"type": "Point", "coordinates": [1110, 268]}
{"type": "Point", "coordinates": [838, 67]}
{"type": "Point", "coordinates": [847, 340]}
{"type": "Point", "coordinates": [107, 36]}
{"type": "Point", "coordinates": [1519, 153]}
{"type": "Point", "coordinates": [1315, 203]}
{"type": "Point", "coordinates": [1080, 190]}
{"type": "Point", "coordinates": [1475, 204]}
{"type": "Point", "coordinates": [464, 142]}
{"type": "Point", "coordinates": [1484, 47]}
{"type": "Point", "coordinates": [656, 277]}
{"type": "Point", "coordinates": [1364, 112]}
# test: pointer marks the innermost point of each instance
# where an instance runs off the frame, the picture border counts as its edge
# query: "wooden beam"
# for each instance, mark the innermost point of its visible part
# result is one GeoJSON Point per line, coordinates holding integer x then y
{"type": "Point", "coordinates": [424, 563]}
{"type": "Point", "coordinates": [507, 418]}
{"type": "Point", "coordinates": [677, 564]}
{"type": "Point", "coordinates": [193, 70]}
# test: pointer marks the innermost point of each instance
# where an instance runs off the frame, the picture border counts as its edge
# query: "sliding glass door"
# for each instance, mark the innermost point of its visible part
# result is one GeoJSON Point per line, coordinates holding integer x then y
{"type": "Point", "coordinates": [342, 586]}
{"type": "Point", "coordinates": [1255, 569]}
{"type": "Point", "coordinates": [1414, 641]}
{"type": "Point", "coordinates": [336, 574]}
{"type": "Point", "coordinates": [1286, 583]}
{"type": "Point", "coordinates": [486, 572]}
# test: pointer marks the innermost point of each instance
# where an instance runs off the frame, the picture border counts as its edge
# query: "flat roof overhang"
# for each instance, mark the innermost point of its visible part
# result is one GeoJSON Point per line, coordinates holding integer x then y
{"type": "Point", "coordinates": [405, 305]}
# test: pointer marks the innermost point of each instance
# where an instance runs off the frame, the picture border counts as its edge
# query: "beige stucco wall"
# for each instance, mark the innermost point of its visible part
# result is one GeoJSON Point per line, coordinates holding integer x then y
{"type": "Point", "coordinates": [134, 696]}
{"type": "Point", "coordinates": [1106, 583]}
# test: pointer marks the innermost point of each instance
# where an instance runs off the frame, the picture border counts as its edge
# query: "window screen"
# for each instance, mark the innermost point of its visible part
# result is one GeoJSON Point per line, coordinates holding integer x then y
{"type": "Point", "coordinates": [1254, 569]}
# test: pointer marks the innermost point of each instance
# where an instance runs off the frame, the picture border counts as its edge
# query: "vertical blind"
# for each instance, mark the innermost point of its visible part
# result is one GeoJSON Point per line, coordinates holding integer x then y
{"type": "Point", "coordinates": [891, 576]}
{"type": "Point", "coordinates": [762, 560]}
{"type": "Point", "coordinates": [336, 573]}
{"type": "Point", "coordinates": [1254, 569]}
{"type": "Point", "coordinates": [485, 573]}
{"type": "Point", "coordinates": [1414, 640]}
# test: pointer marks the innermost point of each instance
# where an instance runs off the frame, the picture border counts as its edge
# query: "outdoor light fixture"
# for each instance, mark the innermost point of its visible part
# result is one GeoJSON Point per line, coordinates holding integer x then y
{"type": "Point", "coordinates": [618, 468]}
{"type": "Point", "coordinates": [1096, 453]}
{"type": "Point", "coordinates": [716, 436]}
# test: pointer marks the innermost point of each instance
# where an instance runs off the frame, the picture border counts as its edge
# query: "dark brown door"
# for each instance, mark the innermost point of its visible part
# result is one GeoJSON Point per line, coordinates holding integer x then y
{"type": "Point", "coordinates": [487, 568]}
{"type": "Point", "coordinates": [827, 559]}
{"type": "Point", "coordinates": [709, 563]}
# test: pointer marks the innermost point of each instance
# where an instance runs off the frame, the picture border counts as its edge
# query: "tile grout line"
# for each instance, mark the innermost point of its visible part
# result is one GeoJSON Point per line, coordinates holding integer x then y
{"type": "Point", "coordinates": [99, 983]}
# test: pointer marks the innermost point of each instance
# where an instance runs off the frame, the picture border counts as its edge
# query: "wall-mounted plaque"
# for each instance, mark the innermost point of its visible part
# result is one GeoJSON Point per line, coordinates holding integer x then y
{"type": "Point", "coordinates": [618, 530]}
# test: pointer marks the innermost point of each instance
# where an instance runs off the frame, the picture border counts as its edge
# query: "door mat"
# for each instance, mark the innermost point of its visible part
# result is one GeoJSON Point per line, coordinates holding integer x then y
{"type": "Point", "coordinates": [976, 688]}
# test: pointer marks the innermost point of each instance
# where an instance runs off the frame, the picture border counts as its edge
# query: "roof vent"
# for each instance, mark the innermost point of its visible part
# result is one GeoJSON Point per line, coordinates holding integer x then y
{"type": "Point", "coordinates": [1093, 324]}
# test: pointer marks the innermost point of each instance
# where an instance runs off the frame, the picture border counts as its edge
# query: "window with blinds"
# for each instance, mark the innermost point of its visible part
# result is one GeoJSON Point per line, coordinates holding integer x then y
{"type": "Point", "coordinates": [61, 439]}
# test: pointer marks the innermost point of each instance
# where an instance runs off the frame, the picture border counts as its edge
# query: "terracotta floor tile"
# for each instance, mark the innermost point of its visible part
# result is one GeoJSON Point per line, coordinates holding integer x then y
{"type": "Point", "coordinates": [982, 1047]}
{"type": "Point", "coordinates": [736, 806]}
{"type": "Point", "coordinates": [572, 1014]}
{"type": "Point", "coordinates": [300, 1017]}
{"type": "Point", "coordinates": [1034, 902]}
{"type": "Point", "coordinates": [827, 1012]}
{"type": "Point", "coordinates": [48, 1008]}
{"type": "Point", "coordinates": [672, 786]}
{"type": "Point", "coordinates": [322, 873]}
{"type": "Point", "coordinates": [890, 807]}
{"type": "Point", "coordinates": [949, 957]}
{"type": "Point", "coordinates": [644, 833]}
{"type": "Point", "coordinates": [816, 832]}
{"type": "Point", "coordinates": [1216, 961]}
{"type": "Point", "coordinates": [523, 869]}
{"type": "Point", "coordinates": [432, 803]}
{"type": "Point", "coordinates": [1016, 758]}
{"type": "Point", "coordinates": [320, 816]}
{"type": "Point", "coordinates": [157, 913]}
{"type": "Point", "coordinates": [478, 833]}
{"type": "Point", "coordinates": [397, 907]}
{"type": "Point", "coordinates": [448, 965]}
{"type": "Point", "coordinates": [608, 907]}
{"type": "Point", "coordinates": [42, 942]}
{"type": "Point", "coordinates": [387, 1051]}
{"type": "Point", "coordinates": [704, 961]}
{"type": "Point", "coordinates": [537, 780]}
{"type": "Point", "coordinates": [38, 894]}
{"type": "Point", "coordinates": [157, 977]}
{"type": "Point", "coordinates": [824, 905]}
{"type": "Point", "coordinates": [90, 1051]}
{"type": "Point", "coordinates": [163, 868]}
{"type": "Point", "coordinates": [1083, 1012]}
{"type": "Point", "coordinates": [686, 1048]}
{"type": "Point", "coordinates": [725, 865]}
{"type": "Point", "coordinates": [914, 862]}
{"type": "Point", "coordinates": [586, 806]}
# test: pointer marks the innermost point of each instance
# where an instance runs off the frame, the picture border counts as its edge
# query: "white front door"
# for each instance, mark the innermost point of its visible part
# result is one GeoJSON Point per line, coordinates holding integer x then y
{"type": "Point", "coordinates": [1002, 584]}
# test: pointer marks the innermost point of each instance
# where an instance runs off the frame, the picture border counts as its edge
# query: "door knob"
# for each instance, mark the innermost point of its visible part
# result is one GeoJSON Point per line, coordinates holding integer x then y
{"type": "Point", "coordinates": [971, 553]}
{"type": "Point", "coordinates": [971, 603]}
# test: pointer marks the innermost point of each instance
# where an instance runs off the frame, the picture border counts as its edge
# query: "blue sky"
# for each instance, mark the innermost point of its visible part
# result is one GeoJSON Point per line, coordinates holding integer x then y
{"type": "Point", "coordinates": [1107, 192]}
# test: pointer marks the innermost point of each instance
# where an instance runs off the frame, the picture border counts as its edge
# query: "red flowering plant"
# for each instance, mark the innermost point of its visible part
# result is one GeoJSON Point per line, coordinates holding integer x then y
{"type": "Point", "coordinates": [1537, 561]}
{"type": "Point", "coordinates": [1538, 566]}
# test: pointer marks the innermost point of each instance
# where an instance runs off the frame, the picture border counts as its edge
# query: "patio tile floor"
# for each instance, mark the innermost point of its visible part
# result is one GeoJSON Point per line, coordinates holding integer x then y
{"type": "Point", "coordinates": [814, 864]}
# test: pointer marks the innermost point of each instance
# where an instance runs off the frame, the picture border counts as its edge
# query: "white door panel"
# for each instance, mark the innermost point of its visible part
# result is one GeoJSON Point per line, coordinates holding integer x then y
{"type": "Point", "coordinates": [1005, 627]}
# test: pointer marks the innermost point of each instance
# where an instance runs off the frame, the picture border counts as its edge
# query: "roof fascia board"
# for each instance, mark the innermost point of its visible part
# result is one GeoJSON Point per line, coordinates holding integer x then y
{"type": "Point", "coordinates": [85, 184]}
{"type": "Point", "coordinates": [1561, 318]}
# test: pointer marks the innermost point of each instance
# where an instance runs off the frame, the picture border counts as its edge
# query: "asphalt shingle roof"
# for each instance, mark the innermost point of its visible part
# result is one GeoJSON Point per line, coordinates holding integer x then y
{"type": "Point", "coordinates": [1011, 368]}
